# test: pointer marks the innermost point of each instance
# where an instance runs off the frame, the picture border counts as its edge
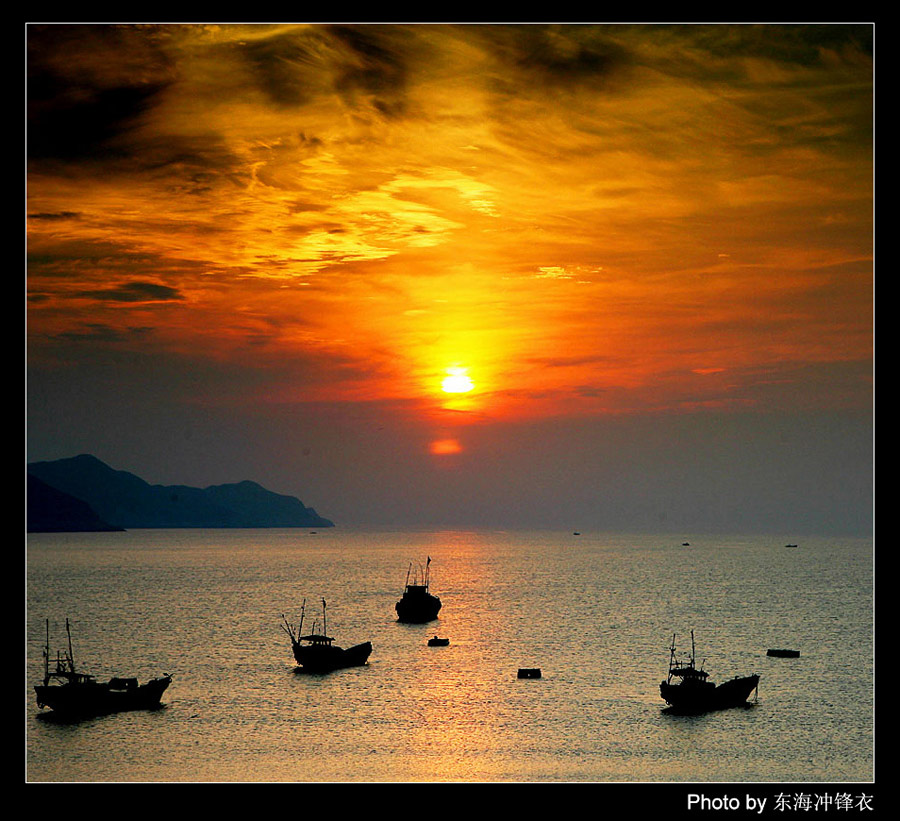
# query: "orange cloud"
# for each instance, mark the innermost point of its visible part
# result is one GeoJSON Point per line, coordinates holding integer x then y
{"type": "Point", "coordinates": [577, 214]}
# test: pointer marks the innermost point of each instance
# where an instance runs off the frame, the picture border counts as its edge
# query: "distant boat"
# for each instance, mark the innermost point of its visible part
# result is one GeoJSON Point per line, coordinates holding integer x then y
{"type": "Point", "coordinates": [418, 605]}
{"type": "Point", "coordinates": [790, 545]}
{"type": "Point", "coordinates": [67, 692]}
{"type": "Point", "coordinates": [316, 652]}
{"type": "Point", "coordinates": [438, 642]}
{"type": "Point", "coordinates": [785, 654]}
{"type": "Point", "coordinates": [685, 544]}
{"type": "Point", "coordinates": [695, 693]}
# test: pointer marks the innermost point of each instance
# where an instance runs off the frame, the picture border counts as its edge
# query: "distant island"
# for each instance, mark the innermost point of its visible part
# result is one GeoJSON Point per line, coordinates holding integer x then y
{"type": "Point", "coordinates": [84, 494]}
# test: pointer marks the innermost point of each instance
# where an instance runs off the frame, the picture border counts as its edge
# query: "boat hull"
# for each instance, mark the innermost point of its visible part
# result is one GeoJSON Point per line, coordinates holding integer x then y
{"type": "Point", "coordinates": [418, 608]}
{"type": "Point", "coordinates": [701, 698]}
{"type": "Point", "coordinates": [325, 659]}
{"type": "Point", "coordinates": [97, 698]}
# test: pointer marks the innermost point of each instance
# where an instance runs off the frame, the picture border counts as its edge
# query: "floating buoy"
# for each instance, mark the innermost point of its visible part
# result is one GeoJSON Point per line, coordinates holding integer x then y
{"type": "Point", "coordinates": [529, 672]}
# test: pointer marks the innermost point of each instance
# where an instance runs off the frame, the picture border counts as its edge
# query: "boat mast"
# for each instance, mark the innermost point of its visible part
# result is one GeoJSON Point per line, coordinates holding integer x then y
{"type": "Point", "coordinates": [671, 658]}
{"type": "Point", "coordinates": [694, 655]}
{"type": "Point", "coordinates": [47, 655]}
{"type": "Point", "coordinates": [427, 570]}
{"type": "Point", "coordinates": [324, 623]}
{"type": "Point", "coordinates": [71, 655]}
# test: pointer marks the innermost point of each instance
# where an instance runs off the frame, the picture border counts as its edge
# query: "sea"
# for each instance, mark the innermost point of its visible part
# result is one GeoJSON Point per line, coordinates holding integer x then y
{"type": "Point", "coordinates": [595, 612]}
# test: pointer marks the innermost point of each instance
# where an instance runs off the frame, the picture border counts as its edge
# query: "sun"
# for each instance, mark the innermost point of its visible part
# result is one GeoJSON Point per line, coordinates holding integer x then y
{"type": "Point", "coordinates": [457, 381]}
{"type": "Point", "coordinates": [443, 447]}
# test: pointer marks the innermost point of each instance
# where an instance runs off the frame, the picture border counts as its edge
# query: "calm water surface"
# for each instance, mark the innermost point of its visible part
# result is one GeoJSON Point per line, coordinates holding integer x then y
{"type": "Point", "coordinates": [595, 612]}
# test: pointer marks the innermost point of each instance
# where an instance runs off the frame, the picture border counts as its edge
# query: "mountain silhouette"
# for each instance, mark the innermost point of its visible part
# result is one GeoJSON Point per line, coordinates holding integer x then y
{"type": "Point", "coordinates": [52, 511]}
{"type": "Point", "coordinates": [123, 500]}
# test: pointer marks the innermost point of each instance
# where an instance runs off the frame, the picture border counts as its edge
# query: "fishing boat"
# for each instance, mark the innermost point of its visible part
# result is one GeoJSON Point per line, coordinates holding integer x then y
{"type": "Point", "coordinates": [784, 654]}
{"type": "Point", "coordinates": [68, 692]}
{"type": "Point", "coordinates": [418, 605]}
{"type": "Point", "coordinates": [437, 641]}
{"type": "Point", "coordinates": [316, 652]}
{"type": "Point", "coordinates": [695, 692]}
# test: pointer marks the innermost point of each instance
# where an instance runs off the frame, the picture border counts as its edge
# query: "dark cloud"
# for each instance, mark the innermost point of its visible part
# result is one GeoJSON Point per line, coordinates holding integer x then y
{"type": "Point", "coordinates": [725, 53]}
{"type": "Point", "coordinates": [190, 166]}
{"type": "Point", "coordinates": [59, 215]}
{"type": "Point", "coordinates": [51, 259]}
{"type": "Point", "coordinates": [559, 56]}
{"type": "Point", "coordinates": [134, 292]}
{"type": "Point", "coordinates": [801, 44]}
{"type": "Point", "coordinates": [78, 129]}
{"type": "Point", "coordinates": [375, 66]}
{"type": "Point", "coordinates": [364, 65]}
{"type": "Point", "coordinates": [571, 56]}
{"type": "Point", "coordinates": [302, 206]}
{"type": "Point", "coordinates": [77, 107]}
{"type": "Point", "coordinates": [279, 65]}
{"type": "Point", "coordinates": [90, 91]}
{"type": "Point", "coordinates": [98, 332]}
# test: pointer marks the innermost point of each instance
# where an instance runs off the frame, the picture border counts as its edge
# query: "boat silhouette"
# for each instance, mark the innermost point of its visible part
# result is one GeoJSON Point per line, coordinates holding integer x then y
{"type": "Point", "coordinates": [417, 604]}
{"type": "Point", "coordinates": [783, 653]}
{"type": "Point", "coordinates": [317, 653]}
{"type": "Point", "coordinates": [695, 692]}
{"type": "Point", "coordinates": [68, 692]}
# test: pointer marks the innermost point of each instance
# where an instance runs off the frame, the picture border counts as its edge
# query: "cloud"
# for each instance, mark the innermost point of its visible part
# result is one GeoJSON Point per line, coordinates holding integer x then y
{"type": "Point", "coordinates": [374, 68]}
{"type": "Point", "coordinates": [638, 198]}
{"type": "Point", "coordinates": [62, 215]}
{"type": "Point", "coordinates": [106, 334]}
{"type": "Point", "coordinates": [87, 86]}
{"type": "Point", "coordinates": [560, 56]}
{"type": "Point", "coordinates": [133, 292]}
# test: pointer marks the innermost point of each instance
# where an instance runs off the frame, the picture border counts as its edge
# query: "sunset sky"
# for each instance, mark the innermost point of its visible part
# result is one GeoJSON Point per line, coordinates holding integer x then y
{"type": "Point", "coordinates": [642, 255]}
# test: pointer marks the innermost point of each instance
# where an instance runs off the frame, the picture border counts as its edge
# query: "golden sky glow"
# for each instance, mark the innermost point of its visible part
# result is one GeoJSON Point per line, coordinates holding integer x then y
{"type": "Point", "coordinates": [589, 219]}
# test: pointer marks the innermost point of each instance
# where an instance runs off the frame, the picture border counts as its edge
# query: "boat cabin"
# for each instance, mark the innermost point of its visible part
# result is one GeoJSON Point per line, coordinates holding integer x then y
{"type": "Point", "coordinates": [317, 639]}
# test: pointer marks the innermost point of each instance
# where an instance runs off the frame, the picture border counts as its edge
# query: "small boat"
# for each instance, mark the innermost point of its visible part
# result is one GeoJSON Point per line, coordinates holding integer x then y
{"type": "Point", "coordinates": [529, 672]}
{"type": "Point", "coordinates": [316, 652]}
{"type": "Point", "coordinates": [784, 654]}
{"type": "Point", "coordinates": [695, 692]}
{"type": "Point", "coordinates": [438, 642]}
{"type": "Point", "coordinates": [67, 692]}
{"type": "Point", "coordinates": [418, 605]}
